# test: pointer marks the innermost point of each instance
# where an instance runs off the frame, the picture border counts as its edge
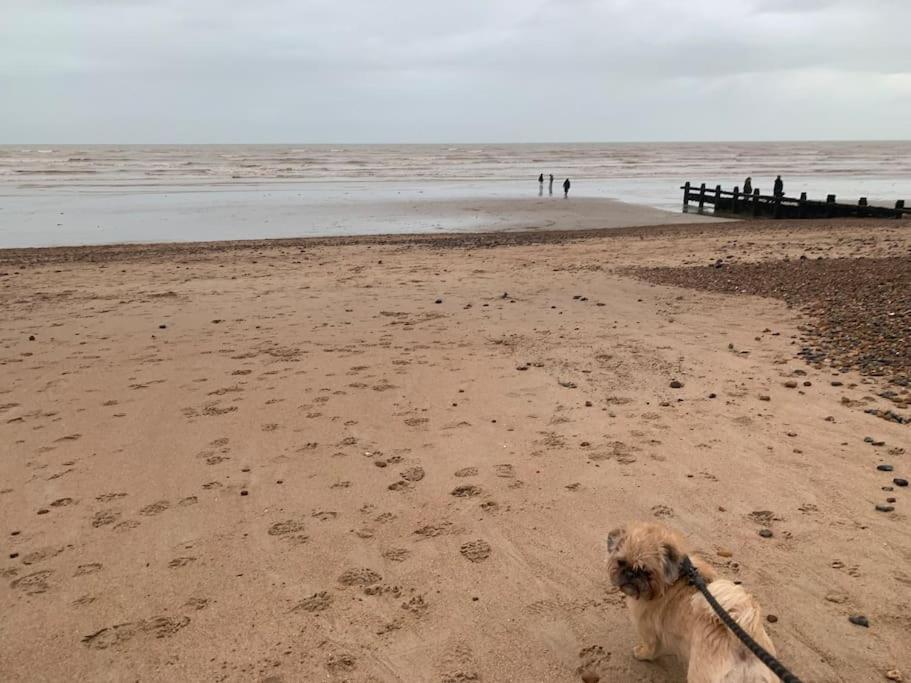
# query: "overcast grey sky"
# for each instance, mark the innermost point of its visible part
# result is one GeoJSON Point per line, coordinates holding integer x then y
{"type": "Point", "coordinates": [453, 71]}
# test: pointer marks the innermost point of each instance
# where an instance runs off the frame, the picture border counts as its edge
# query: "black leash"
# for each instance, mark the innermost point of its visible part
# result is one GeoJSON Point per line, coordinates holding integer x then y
{"type": "Point", "coordinates": [765, 657]}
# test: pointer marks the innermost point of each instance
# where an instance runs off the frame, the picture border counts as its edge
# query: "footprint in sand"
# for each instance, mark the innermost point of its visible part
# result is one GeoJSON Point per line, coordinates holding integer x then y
{"type": "Point", "coordinates": [105, 517]}
{"type": "Point", "coordinates": [592, 659]}
{"type": "Point", "coordinates": [156, 627]}
{"type": "Point", "coordinates": [289, 526]}
{"type": "Point", "coordinates": [457, 664]}
{"type": "Point", "coordinates": [34, 583]}
{"type": "Point", "coordinates": [179, 562]}
{"type": "Point", "coordinates": [466, 491]}
{"type": "Point", "coordinates": [396, 554]}
{"type": "Point", "coordinates": [505, 470]}
{"type": "Point", "coordinates": [475, 551]}
{"type": "Point", "coordinates": [108, 497]}
{"type": "Point", "coordinates": [358, 576]}
{"type": "Point", "coordinates": [662, 511]}
{"type": "Point", "coordinates": [155, 508]}
{"type": "Point", "coordinates": [317, 602]}
{"type": "Point", "coordinates": [197, 603]}
{"type": "Point", "coordinates": [341, 662]}
{"type": "Point", "coordinates": [412, 474]}
{"type": "Point", "coordinates": [467, 472]}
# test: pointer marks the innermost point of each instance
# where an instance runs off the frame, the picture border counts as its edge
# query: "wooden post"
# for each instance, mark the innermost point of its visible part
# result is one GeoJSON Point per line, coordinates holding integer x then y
{"type": "Point", "coordinates": [686, 197]}
{"type": "Point", "coordinates": [899, 205]}
{"type": "Point", "coordinates": [717, 198]}
{"type": "Point", "coordinates": [862, 206]}
{"type": "Point", "coordinates": [756, 202]}
{"type": "Point", "coordinates": [830, 210]}
{"type": "Point", "coordinates": [802, 206]}
{"type": "Point", "coordinates": [701, 197]}
{"type": "Point", "coordinates": [734, 207]}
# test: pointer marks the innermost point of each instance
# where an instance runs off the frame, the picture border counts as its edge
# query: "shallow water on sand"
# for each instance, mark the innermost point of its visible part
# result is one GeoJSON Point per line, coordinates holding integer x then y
{"type": "Point", "coordinates": [78, 194]}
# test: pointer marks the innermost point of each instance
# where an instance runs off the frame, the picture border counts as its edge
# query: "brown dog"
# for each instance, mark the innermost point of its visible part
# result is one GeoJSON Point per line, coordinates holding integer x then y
{"type": "Point", "coordinates": [672, 617]}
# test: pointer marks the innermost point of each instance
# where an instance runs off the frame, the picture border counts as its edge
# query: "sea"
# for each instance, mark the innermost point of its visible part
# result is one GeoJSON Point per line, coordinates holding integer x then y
{"type": "Point", "coordinates": [96, 194]}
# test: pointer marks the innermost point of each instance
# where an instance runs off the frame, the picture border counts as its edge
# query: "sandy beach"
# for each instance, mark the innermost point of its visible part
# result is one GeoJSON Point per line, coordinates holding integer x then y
{"type": "Point", "coordinates": [398, 458]}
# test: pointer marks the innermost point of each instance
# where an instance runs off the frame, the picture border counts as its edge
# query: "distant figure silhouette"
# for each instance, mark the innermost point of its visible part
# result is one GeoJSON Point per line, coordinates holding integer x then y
{"type": "Point", "coordinates": [779, 187]}
{"type": "Point", "coordinates": [566, 188]}
{"type": "Point", "coordinates": [550, 187]}
{"type": "Point", "coordinates": [748, 185]}
{"type": "Point", "coordinates": [541, 185]}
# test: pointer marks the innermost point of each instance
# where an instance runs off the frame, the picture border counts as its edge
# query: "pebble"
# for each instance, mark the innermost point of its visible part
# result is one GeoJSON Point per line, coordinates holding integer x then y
{"type": "Point", "coordinates": [771, 618]}
{"type": "Point", "coordinates": [900, 482]}
{"type": "Point", "coordinates": [162, 327]}
{"type": "Point", "coordinates": [765, 533]}
{"type": "Point", "coordinates": [712, 395]}
{"type": "Point", "coordinates": [884, 508]}
{"type": "Point", "coordinates": [438, 301]}
{"type": "Point", "coordinates": [894, 675]}
{"type": "Point", "coordinates": [859, 620]}
{"type": "Point", "coordinates": [724, 552]}
{"type": "Point", "coordinates": [244, 492]}
{"type": "Point", "coordinates": [791, 384]}
{"type": "Point", "coordinates": [31, 337]}
{"type": "Point", "coordinates": [676, 384]}
{"type": "Point", "coordinates": [885, 468]}
{"type": "Point", "coordinates": [13, 556]}
{"type": "Point", "coordinates": [837, 598]}
{"type": "Point", "coordinates": [589, 677]}
{"type": "Point", "coordinates": [836, 383]}
{"type": "Point", "coordinates": [765, 397]}
{"type": "Point", "coordinates": [588, 404]}
{"type": "Point", "coordinates": [43, 511]}
{"type": "Point", "coordinates": [890, 500]}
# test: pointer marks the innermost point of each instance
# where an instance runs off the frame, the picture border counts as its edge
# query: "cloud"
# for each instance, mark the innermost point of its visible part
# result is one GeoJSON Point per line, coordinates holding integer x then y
{"type": "Point", "coordinates": [335, 70]}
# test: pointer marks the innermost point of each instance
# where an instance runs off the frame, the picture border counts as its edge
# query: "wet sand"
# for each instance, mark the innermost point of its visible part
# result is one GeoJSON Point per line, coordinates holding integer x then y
{"type": "Point", "coordinates": [379, 459]}
{"type": "Point", "coordinates": [40, 217]}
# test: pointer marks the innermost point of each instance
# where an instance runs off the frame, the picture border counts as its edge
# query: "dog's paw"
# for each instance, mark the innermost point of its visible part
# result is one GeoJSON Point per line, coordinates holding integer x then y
{"type": "Point", "coordinates": [644, 653]}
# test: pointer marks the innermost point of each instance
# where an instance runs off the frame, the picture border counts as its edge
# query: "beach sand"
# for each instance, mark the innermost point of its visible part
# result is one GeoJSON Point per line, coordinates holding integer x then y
{"type": "Point", "coordinates": [384, 459]}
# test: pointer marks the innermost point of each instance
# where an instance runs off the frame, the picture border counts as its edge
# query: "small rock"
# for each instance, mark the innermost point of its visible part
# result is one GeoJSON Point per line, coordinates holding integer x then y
{"type": "Point", "coordinates": [438, 301]}
{"type": "Point", "coordinates": [31, 337]}
{"type": "Point", "coordinates": [898, 481]}
{"type": "Point", "coordinates": [379, 463]}
{"type": "Point", "coordinates": [771, 618]}
{"type": "Point", "coordinates": [894, 675]}
{"type": "Point", "coordinates": [711, 395]}
{"type": "Point", "coordinates": [837, 598]}
{"type": "Point", "coordinates": [868, 439]}
{"type": "Point", "coordinates": [43, 511]}
{"type": "Point", "coordinates": [884, 508]}
{"type": "Point", "coordinates": [724, 552]}
{"type": "Point", "coordinates": [885, 468]}
{"type": "Point", "coordinates": [765, 533]}
{"type": "Point", "coordinates": [859, 620]}
{"type": "Point", "coordinates": [836, 383]}
{"type": "Point", "coordinates": [592, 677]}
{"type": "Point", "coordinates": [791, 384]}
{"type": "Point", "coordinates": [588, 404]}
{"type": "Point", "coordinates": [162, 327]}
{"type": "Point", "coordinates": [765, 397]}
{"type": "Point", "coordinates": [676, 384]}
{"type": "Point", "coordinates": [244, 492]}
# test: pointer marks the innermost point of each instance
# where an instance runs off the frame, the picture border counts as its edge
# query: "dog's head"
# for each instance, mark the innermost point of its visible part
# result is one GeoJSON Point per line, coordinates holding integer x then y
{"type": "Point", "coordinates": [644, 559]}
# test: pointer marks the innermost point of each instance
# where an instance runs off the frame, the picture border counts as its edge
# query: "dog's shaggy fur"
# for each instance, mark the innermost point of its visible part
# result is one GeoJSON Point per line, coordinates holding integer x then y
{"type": "Point", "coordinates": [672, 617]}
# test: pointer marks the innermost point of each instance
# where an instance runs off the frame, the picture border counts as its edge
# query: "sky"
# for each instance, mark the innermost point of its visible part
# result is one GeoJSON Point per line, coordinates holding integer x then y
{"type": "Point", "coordinates": [387, 71]}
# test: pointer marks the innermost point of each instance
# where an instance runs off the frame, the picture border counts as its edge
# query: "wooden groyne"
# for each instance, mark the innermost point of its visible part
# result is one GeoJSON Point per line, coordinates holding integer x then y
{"type": "Point", "coordinates": [735, 203]}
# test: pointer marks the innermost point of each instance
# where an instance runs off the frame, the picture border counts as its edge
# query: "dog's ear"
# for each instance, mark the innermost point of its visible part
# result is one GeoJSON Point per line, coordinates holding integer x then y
{"type": "Point", "coordinates": [615, 538]}
{"type": "Point", "coordinates": [672, 565]}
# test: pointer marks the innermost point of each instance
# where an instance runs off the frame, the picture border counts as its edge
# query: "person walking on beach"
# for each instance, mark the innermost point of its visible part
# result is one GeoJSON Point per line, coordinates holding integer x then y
{"type": "Point", "coordinates": [779, 187]}
{"type": "Point", "coordinates": [550, 187]}
{"type": "Point", "coordinates": [566, 188]}
{"type": "Point", "coordinates": [541, 185]}
{"type": "Point", "coordinates": [748, 185]}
